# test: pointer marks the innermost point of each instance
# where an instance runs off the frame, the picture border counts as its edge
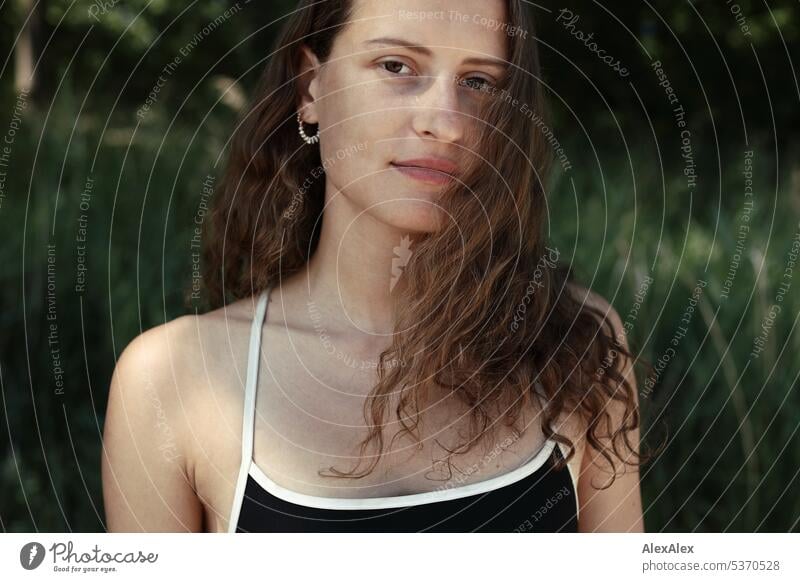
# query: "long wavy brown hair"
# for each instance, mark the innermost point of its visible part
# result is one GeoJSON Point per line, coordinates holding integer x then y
{"type": "Point", "coordinates": [485, 317]}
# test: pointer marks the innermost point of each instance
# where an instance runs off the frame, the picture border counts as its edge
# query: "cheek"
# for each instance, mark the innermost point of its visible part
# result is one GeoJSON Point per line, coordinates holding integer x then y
{"type": "Point", "coordinates": [350, 153]}
{"type": "Point", "coordinates": [368, 124]}
{"type": "Point", "coordinates": [361, 107]}
{"type": "Point", "coordinates": [358, 147]}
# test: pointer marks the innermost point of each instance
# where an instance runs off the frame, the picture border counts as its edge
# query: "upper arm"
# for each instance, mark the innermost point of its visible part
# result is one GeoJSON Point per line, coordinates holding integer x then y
{"type": "Point", "coordinates": [144, 464]}
{"type": "Point", "coordinates": [617, 508]}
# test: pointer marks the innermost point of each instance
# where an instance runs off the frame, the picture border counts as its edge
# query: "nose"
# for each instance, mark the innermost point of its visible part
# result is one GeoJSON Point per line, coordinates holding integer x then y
{"type": "Point", "coordinates": [437, 113]}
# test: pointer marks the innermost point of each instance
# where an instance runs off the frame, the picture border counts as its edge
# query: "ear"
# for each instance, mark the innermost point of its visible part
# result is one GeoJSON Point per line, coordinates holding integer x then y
{"type": "Point", "coordinates": [308, 85]}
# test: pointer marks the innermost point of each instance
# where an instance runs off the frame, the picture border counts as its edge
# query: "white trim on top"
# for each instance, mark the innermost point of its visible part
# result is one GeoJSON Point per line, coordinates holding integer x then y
{"type": "Point", "coordinates": [404, 500]}
{"type": "Point", "coordinates": [248, 410]}
{"type": "Point", "coordinates": [249, 467]}
{"type": "Point", "coordinates": [563, 448]}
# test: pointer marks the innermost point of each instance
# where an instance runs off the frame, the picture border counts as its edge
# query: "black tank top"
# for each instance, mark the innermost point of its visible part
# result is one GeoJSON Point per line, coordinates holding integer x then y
{"type": "Point", "coordinates": [535, 497]}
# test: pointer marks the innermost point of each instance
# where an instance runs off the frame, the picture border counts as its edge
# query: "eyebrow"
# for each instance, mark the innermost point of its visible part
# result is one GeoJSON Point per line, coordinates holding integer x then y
{"type": "Point", "coordinates": [417, 48]}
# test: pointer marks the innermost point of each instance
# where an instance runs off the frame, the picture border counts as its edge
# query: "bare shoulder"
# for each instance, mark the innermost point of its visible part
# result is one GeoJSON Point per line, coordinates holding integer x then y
{"type": "Point", "coordinates": [153, 363]}
{"type": "Point", "coordinates": [170, 355]}
{"type": "Point", "coordinates": [179, 348]}
{"type": "Point", "coordinates": [616, 507]}
{"type": "Point", "coordinates": [191, 360]}
{"type": "Point", "coordinates": [600, 307]}
{"type": "Point", "coordinates": [153, 384]}
{"type": "Point", "coordinates": [172, 386]}
{"type": "Point", "coordinates": [147, 481]}
{"type": "Point", "coordinates": [605, 313]}
{"type": "Point", "coordinates": [158, 350]}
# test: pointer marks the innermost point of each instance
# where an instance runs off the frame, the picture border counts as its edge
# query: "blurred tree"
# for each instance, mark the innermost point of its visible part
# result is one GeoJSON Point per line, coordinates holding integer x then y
{"type": "Point", "coordinates": [715, 54]}
{"type": "Point", "coordinates": [24, 78]}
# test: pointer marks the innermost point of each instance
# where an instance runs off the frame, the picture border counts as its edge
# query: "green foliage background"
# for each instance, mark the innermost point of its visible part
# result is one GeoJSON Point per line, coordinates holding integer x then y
{"type": "Point", "coordinates": [622, 213]}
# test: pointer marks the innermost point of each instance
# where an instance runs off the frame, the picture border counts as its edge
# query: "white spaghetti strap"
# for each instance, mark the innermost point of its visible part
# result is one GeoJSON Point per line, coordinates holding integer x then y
{"type": "Point", "coordinates": [539, 392]}
{"type": "Point", "coordinates": [249, 411]}
{"type": "Point", "coordinates": [563, 448]}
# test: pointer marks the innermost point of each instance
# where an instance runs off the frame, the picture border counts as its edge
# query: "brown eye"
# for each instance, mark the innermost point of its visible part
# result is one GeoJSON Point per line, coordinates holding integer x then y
{"type": "Point", "coordinates": [393, 66]}
{"type": "Point", "coordinates": [477, 83]}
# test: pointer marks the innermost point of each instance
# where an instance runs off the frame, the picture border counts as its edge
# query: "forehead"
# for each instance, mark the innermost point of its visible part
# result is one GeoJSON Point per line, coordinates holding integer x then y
{"type": "Point", "coordinates": [459, 28]}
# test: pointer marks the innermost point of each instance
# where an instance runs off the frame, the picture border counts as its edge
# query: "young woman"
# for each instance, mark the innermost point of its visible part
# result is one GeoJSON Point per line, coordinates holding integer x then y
{"type": "Point", "coordinates": [391, 345]}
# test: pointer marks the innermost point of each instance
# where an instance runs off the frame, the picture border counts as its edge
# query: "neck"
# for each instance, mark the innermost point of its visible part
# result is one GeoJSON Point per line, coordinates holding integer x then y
{"type": "Point", "coordinates": [356, 270]}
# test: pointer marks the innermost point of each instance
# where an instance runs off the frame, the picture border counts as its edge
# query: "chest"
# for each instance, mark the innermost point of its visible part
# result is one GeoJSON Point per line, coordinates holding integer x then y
{"type": "Point", "coordinates": [310, 418]}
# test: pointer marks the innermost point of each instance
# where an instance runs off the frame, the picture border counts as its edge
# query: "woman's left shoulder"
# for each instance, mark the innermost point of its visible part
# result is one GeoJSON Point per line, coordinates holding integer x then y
{"type": "Point", "coordinates": [610, 492]}
{"type": "Point", "coordinates": [599, 307]}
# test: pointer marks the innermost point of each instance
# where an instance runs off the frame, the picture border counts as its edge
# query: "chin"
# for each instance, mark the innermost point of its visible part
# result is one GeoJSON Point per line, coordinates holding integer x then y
{"type": "Point", "coordinates": [410, 215]}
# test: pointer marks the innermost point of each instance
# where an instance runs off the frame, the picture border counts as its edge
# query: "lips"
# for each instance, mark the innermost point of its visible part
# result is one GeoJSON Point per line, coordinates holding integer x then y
{"type": "Point", "coordinates": [429, 170]}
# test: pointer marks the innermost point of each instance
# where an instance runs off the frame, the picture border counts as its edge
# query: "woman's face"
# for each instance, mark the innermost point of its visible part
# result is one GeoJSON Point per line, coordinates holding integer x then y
{"type": "Point", "coordinates": [387, 110]}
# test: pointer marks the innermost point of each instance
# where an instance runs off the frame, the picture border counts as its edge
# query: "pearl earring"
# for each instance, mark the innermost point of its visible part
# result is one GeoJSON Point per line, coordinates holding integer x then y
{"type": "Point", "coordinates": [309, 140]}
